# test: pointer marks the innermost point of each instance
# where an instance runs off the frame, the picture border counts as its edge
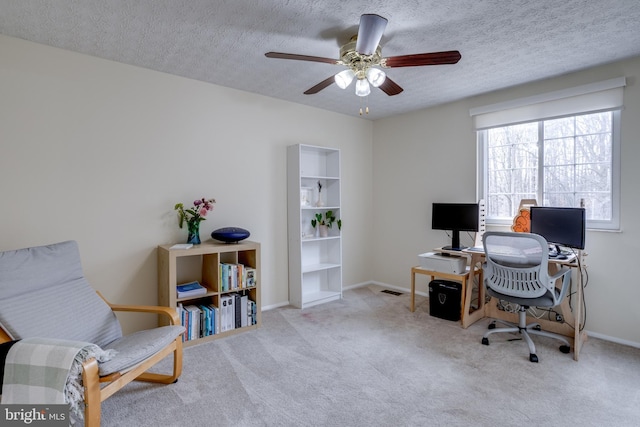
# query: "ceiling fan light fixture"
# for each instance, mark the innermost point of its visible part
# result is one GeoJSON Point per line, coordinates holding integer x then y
{"type": "Point", "coordinates": [344, 78]}
{"type": "Point", "coordinates": [376, 76]}
{"type": "Point", "coordinates": [362, 87]}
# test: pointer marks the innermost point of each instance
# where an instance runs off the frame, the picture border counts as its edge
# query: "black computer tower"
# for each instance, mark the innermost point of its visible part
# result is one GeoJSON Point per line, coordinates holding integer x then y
{"type": "Point", "coordinates": [445, 298]}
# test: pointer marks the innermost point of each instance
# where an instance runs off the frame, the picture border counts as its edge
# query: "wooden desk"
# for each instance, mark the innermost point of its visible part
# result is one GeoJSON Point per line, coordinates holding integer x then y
{"type": "Point", "coordinates": [467, 317]}
{"type": "Point", "coordinates": [571, 325]}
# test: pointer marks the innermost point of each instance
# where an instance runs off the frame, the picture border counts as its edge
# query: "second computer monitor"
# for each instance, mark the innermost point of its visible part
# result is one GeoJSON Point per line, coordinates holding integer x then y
{"type": "Point", "coordinates": [559, 226]}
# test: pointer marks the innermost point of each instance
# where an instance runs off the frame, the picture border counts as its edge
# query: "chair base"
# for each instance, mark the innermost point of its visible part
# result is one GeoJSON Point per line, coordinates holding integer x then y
{"type": "Point", "coordinates": [526, 330]}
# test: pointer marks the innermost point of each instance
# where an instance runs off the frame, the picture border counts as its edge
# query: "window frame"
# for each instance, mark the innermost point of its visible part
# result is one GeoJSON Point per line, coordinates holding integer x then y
{"type": "Point", "coordinates": [611, 225]}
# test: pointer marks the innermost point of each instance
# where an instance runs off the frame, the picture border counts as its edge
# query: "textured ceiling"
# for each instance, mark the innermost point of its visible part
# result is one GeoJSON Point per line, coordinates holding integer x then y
{"type": "Point", "coordinates": [503, 43]}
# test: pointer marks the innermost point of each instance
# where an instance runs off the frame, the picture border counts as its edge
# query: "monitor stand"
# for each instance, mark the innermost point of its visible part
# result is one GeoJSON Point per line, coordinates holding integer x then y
{"type": "Point", "coordinates": [455, 242]}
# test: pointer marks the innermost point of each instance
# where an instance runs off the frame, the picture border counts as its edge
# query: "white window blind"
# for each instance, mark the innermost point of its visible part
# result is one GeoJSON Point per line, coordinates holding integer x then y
{"type": "Point", "coordinates": [590, 98]}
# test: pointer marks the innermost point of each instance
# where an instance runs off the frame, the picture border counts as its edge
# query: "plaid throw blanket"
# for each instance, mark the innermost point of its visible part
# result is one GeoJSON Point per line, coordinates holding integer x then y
{"type": "Point", "coordinates": [43, 370]}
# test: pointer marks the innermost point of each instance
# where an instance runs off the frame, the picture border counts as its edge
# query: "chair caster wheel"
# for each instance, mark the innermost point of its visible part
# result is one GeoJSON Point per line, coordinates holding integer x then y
{"type": "Point", "coordinates": [492, 325]}
{"type": "Point", "coordinates": [533, 358]}
{"type": "Point", "coordinates": [485, 341]}
{"type": "Point", "coordinates": [565, 349]}
{"type": "Point", "coordinates": [537, 328]}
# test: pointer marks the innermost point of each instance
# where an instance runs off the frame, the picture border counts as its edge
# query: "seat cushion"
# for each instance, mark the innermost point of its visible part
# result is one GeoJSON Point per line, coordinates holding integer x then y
{"type": "Point", "coordinates": [545, 300]}
{"type": "Point", "coordinates": [137, 347]}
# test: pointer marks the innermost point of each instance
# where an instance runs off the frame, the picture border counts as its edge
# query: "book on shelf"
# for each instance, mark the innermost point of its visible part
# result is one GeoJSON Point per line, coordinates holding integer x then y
{"type": "Point", "coordinates": [231, 313]}
{"type": "Point", "coordinates": [244, 305]}
{"type": "Point", "coordinates": [191, 289]}
{"type": "Point", "coordinates": [215, 313]}
{"type": "Point", "coordinates": [237, 310]}
{"type": "Point", "coordinates": [225, 307]}
{"type": "Point", "coordinates": [182, 246]}
{"type": "Point", "coordinates": [250, 277]}
{"type": "Point", "coordinates": [252, 313]}
{"type": "Point", "coordinates": [180, 311]}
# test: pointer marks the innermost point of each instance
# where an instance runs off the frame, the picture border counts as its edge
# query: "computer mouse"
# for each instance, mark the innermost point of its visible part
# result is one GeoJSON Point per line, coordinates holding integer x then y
{"type": "Point", "coordinates": [561, 256]}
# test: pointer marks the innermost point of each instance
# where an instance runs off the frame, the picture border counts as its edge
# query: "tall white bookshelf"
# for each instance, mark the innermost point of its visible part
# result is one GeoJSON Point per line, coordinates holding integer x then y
{"type": "Point", "coordinates": [315, 262]}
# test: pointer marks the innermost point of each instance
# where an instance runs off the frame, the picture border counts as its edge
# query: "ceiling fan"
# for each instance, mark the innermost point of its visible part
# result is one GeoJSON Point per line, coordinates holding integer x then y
{"type": "Point", "coordinates": [362, 55]}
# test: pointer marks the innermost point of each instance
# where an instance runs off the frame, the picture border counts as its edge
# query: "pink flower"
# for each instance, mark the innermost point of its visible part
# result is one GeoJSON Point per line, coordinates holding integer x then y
{"type": "Point", "coordinates": [195, 214]}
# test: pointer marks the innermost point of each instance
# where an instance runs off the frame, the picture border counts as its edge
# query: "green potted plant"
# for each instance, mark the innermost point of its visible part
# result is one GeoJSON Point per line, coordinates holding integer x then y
{"type": "Point", "coordinates": [324, 222]}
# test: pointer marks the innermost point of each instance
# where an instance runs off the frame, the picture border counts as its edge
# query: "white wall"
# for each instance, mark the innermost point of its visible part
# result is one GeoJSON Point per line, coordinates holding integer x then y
{"type": "Point", "coordinates": [429, 156]}
{"type": "Point", "coordinates": [99, 152]}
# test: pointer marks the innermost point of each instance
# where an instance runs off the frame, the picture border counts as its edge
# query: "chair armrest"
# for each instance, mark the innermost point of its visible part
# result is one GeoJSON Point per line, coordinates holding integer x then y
{"type": "Point", "coordinates": [559, 273]}
{"type": "Point", "coordinates": [565, 273]}
{"type": "Point", "coordinates": [171, 313]}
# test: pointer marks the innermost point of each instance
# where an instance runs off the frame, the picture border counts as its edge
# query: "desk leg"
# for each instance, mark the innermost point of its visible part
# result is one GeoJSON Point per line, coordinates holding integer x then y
{"type": "Point", "coordinates": [475, 260]}
{"type": "Point", "coordinates": [468, 317]}
{"type": "Point", "coordinates": [578, 336]}
{"type": "Point", "coordinates": [412, 307]}
{"type": "Point", "coordinates": [463, 298]}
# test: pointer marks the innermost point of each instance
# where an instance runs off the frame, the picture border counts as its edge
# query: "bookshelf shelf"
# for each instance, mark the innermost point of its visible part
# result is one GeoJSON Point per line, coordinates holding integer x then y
{"type": "Point", "coordinates": [203, 263]}
{"type": "Point", "coordinates": [318, 267]}
{"type": "Point", "coordinates": [315, 263]}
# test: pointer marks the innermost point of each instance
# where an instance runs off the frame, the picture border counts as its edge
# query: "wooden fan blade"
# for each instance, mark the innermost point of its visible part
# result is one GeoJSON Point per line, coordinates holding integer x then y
{"type": "Point", "coordinates": [280, 55]}
{"type": "Point", "coordinates": [390, 87]}
{"type": "Point", "coordinates": [370, 33]}
{"type": "Point", "coordinates": [317, 88]}
{"type": "Point", "coordinates": [434, 58]}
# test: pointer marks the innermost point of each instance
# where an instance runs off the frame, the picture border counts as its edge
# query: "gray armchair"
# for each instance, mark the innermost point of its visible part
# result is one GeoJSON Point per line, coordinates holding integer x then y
{"type": "Point", "coordinates": [43, 293]}
{"type": "Point", "coordinates": [516, 270]}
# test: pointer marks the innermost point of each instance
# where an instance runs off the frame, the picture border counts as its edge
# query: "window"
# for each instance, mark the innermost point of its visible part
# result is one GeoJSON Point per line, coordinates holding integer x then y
{"type": "Point", "coordinates": [569, 161]}
{"type": "Point", "coordinates": [560, 148]}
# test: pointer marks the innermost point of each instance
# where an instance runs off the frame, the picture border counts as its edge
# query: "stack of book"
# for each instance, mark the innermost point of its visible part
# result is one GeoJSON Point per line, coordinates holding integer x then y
{"type": "Point", "coordinates": [237, 311]}
{"type": "Point", "coordinates": [191, 289]}
{"type": "Point", "coordinates": [236, 276]}
{"type": "Point", "coordinates": [201, 320]}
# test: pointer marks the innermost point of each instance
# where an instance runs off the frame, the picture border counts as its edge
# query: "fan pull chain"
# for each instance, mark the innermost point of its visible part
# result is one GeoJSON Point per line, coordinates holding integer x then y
{"type": "Point", "coordinates": [366, 110]}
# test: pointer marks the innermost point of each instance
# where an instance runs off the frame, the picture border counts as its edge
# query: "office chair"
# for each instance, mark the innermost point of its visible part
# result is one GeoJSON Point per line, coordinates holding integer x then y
{"type": "Point", "coordinates": [516, 270]}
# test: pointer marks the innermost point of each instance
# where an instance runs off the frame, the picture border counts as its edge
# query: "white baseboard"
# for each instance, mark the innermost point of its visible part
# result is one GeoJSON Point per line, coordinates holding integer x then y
{"type": "Point", "coordinates": [612, 339]}
{"type": "Point", "coordinates": [273, 306]}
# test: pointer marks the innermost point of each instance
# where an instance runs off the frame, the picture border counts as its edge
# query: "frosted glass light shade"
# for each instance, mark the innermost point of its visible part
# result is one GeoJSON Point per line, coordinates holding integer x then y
{"type": "Point", "coordinates": [344, 78]}
{"type": "Point", "coordinates": [362, 87]}
{"type": "Point", "coordinates": [376, 76]}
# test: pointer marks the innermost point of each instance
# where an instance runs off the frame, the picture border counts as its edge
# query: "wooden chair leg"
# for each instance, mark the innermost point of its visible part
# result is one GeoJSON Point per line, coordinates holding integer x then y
{"type": "Point", "coordinates": [177, 366]}
{"type": "Point", "coordinates": [91, 382]}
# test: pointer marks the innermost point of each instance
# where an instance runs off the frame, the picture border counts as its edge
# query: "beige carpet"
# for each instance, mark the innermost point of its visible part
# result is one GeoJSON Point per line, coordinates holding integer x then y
{"type": "Point", "coordinates": [368, 361]}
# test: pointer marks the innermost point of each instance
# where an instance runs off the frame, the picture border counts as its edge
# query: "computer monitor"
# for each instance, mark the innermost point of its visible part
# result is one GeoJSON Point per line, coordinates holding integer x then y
{"type": "Point", "coordinates": [455, 217]}
{"type": "Point", "coordinates": [559, 226]}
